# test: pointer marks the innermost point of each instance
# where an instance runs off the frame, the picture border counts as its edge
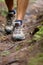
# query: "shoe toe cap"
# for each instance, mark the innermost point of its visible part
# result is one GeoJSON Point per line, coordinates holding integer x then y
{"type": "Point", "coordinates": [8, 29]}
{"type": "Point", "coordinates": [18, 37]}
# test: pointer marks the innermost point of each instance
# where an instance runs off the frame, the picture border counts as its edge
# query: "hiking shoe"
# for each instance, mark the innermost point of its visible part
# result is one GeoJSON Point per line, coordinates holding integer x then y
{"type": "Point", "coordinates": [9, 25]}
{"type": "Point", "coordinates": [18, 33]}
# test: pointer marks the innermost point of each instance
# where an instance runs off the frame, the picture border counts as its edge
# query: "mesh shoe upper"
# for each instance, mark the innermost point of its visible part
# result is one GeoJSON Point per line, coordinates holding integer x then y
{"type": "Point", "coordinates": [18, 32]}
{"type": "Point", "coordinates": [10, 17]}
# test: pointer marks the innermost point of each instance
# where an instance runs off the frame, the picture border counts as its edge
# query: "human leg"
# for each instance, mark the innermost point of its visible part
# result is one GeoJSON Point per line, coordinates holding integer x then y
{"type": "Point", "coordinates": [10, 16]}
{"type": "Point", "coordinates": [21, 9]}
{"type": "Point", "coordinates": [22, 6]}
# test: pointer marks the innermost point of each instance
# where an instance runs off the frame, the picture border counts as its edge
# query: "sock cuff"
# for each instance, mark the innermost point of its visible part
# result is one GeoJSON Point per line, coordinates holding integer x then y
{"type": "Point", "coordinates": [12, 11]}
{"type": "Point", "coordinates": [19, 21]}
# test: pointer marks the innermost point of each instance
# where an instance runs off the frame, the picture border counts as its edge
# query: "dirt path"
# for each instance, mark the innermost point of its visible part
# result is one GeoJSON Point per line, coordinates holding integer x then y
{"type": "Point", "coordinates": [18, 52]}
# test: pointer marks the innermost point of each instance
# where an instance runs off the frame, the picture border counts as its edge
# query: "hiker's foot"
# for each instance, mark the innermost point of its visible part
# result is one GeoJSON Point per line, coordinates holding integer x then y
{"type": "Point", "coordinates": [18, 33]}
{"type": "Point", "coordinates": [10, 19]}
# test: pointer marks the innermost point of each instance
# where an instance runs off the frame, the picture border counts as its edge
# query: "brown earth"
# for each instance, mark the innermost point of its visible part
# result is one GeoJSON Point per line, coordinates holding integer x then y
{"type": "Point", "coordinates": [19, 52]}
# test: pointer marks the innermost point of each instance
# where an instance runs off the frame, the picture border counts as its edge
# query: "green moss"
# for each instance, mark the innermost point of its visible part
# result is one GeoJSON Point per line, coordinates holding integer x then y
{"type": "Point", "coordinates": [1, 0]}
{"type": "Point", "coordinates": [30, 48]}
{"type": "Point", "coordinates": [4, 53]}
{"type": "Point", "coordinates": [18, 47]}
{"type": "Point", "coordinates": [38, 60]}
{"type": "Point", "coordinates": [39, 34]}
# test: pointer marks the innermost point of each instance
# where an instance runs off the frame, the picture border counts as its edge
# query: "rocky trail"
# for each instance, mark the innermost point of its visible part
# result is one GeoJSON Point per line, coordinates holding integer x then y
{"type": "Point", "coordinates": [21, 52]}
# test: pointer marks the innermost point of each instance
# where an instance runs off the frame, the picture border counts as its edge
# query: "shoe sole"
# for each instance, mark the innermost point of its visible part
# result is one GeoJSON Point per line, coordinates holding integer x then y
{"type": "Point", "coordinates": [8, 32]}
{"type": "Point", "coordinates": [18, 39]}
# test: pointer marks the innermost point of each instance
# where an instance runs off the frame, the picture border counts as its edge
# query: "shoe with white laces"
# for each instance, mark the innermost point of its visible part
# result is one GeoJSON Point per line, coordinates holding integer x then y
{"type": "Point", "coordinates": [9, 25]}
{"type": "Point", "coordinates": [18, 33]}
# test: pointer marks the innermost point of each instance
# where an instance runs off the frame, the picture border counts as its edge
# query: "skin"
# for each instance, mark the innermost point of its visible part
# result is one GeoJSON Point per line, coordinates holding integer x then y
{"type": "Point", "coordinates": [21, 9]}
{"type": "Point", "coordinates": [22, 5]}
{"type": "Point", "coordinates": [9, 4]}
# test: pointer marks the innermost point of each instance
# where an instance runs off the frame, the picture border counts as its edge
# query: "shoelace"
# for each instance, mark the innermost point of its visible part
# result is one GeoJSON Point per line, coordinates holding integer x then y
{"type": "Point", "coordinates": [17, 30]}
{"type": "Point", "coordinates": [9, 19]}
